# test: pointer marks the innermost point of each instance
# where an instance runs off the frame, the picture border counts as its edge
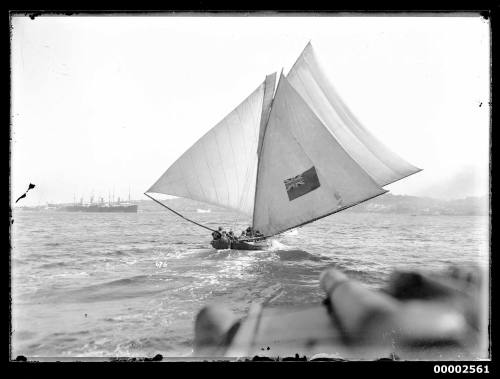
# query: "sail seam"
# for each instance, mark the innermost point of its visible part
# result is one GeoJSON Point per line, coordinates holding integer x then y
{"type": "Point", "coordinates": [222, 164]}
{"type": "Point", "coordinates": [210, 171]}
{"type": "Point", "coordinates": [260, 148]}
{"type": "Point", "coordinates": [247, 172]}
{"type": "Point", "coordinates": [255, 168]}
{"type": "Point", "coordinates": [197, 176]}
{"type": "Point", "coordinates": [185, 183]}
{"type": "Point", "coordinates": [250, 169]}
{"type": "Point", "coordinates": [228, 130]}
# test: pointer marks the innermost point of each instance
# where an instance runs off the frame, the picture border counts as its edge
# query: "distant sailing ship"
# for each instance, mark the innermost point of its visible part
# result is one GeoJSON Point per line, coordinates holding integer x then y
{"type": "Point", "coordinates": [285, 158]}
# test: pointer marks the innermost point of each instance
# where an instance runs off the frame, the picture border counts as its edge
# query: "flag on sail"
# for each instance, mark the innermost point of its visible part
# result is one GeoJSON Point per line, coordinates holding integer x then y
{"type": "Point", "coordinates": [301, 184]}
{"type": "Point", "coordinates": [309, 80]}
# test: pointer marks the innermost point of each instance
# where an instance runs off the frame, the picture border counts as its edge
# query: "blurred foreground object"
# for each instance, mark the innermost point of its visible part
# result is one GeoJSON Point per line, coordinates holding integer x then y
{"type": "Point", "coordinates": [430, 316]}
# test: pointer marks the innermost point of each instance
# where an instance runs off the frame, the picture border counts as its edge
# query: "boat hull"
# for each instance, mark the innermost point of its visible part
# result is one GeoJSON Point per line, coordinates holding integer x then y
{"type": "Point", "coordinates": [100, 209]}
{"type": "Point", "coordinates": [221, 244]}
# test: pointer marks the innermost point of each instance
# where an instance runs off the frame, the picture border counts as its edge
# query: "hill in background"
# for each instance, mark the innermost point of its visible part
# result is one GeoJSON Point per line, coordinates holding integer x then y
{"type": "Point", "coordinates": [389, 203]}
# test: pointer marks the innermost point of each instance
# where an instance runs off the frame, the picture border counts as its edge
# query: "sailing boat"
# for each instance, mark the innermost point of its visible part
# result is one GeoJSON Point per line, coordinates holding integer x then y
{"type": "Point", "coordinates": [284, 157]}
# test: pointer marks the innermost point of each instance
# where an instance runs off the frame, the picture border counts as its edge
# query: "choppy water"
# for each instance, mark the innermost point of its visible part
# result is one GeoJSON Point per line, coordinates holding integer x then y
{"type": "Point", "coordinates": [87, 285]}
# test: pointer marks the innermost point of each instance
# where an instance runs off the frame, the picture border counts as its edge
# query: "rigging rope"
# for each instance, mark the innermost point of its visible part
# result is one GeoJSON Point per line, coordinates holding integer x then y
{"type": "Point", "coordinates": [178, 214]}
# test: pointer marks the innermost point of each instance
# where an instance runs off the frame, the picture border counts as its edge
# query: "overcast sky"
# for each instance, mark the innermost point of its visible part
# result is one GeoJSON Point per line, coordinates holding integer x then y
{"type": "Point", "coordinates": [107, 103]}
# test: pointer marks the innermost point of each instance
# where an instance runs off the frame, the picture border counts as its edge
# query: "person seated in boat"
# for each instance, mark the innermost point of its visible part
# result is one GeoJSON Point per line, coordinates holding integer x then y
{"type": "Point", "coordinates": [224, 236]}
{"type": "Point", "coordinates": [249, 232]}
{"type": "Point", "coordinates": [217, 234]}
{"type": "Point", "coordinates": [258, 234]}
{"type": "Point", "coordinates": [243, 234]}
{"type": "Point", "coordinates": [231, 236]}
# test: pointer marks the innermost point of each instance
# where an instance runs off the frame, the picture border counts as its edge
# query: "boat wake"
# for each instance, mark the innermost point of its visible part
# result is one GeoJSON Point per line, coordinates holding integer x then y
{"type": "Point", "coordinates": [297, 255]}
{"type": "Point", "coordinates": [276, 245]}
{"type": "Point", "coordinates": [291, 253]}
{"type": "Point", "coordinates": [275, 248]}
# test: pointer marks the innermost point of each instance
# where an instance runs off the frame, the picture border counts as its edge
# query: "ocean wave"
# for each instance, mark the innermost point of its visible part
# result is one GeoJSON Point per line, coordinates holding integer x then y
{"type": "Point", "coordinates": [297, 255]}
{"type": "Point", "coordinates": [134, 251]}
{"type": "Point", "coordinates": [24, 334]}
{"type": "Point", "coordinates": [53, 265]}
{"type": "Point", "coordinates": [52, 244]}
{"type": "Point", "coordinates": [119, 253]}
{"type": "Point", "coordinates": [122, 282]}
{"type": "Point", "coordinates": [69, 275]}
{"type": "Point", "coordinates": [132, 262]}
{"type": "Point", "coordinates": [131, 287]}
{"type": "Point", "coordinates": [107, 295]}
{"type": "Point", "coordinates": [18, 261]}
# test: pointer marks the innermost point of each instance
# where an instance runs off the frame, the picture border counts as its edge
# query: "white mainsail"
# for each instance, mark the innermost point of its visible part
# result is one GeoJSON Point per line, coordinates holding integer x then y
{"type": "Point", "coordinates": [304, 174]}
{"type": "Point", "coordinates": [308, 79]}
{"type": "Point", "coordinates": [221, 167]}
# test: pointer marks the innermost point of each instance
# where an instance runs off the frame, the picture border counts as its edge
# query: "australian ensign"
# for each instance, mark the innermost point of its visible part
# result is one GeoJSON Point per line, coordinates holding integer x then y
{"type": "Point", "coordinates": [301, 184]}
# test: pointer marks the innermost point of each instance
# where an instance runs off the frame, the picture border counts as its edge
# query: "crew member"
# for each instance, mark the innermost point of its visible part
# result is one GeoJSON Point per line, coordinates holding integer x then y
{"type": "Point", "coordinates": [224, 235]}
{"type": "Point", "coordinates": [217, 233]}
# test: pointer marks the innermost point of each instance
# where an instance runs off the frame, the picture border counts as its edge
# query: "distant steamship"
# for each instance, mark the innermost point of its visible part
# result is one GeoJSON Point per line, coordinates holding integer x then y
{"type": "Point", "coordinates": [101, 206]}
